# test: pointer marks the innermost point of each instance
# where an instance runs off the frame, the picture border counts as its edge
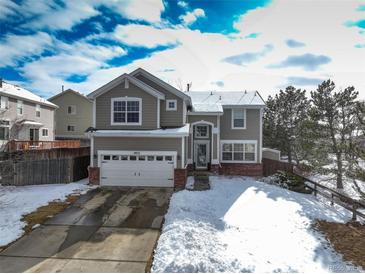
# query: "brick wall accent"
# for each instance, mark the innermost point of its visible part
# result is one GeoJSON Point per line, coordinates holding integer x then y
{"type": "Point", "coordinates": [241, 169]}
{"type": "Point", "coordinates": [180, 176]}
{"type": "Point", "coordinates": [94, 175]}
{"type": "Point", "coordinates": [214, 169]}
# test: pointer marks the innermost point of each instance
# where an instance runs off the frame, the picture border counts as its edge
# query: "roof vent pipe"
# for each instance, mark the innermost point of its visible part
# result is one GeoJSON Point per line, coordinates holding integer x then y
{"type": "Point", "coordinates": [220, 97]}
{"type": "Point", "coordinates": [211, 93]}
{"type": "Point", "coordinates": [63, 88]}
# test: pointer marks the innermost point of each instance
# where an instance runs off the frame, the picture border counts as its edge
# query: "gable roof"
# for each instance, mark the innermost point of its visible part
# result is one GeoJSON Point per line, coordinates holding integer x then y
{"type": "Point", "coordinates": [209, 101]}
{"type": "Point", "coordinates": [68, 91]}
{"type": "Point", "coordinates": [161, 83]}
{"type": "Point", "coordinates": [18, 92]}
{"type": "Point", "coordinates": [119, 80]}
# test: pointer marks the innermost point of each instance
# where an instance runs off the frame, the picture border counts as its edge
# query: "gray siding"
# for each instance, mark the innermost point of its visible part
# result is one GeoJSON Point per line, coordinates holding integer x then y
{"type": "Point", "coordinates": [81, 120]}
{"type": "Point", "coordinates": [139, 143]}
{"type": "Point", "coordinates": [103, 107]}
{"type": "Point", "coordinates": [252, 131]}
{"type": "Point", "coordinates": [168, 118]}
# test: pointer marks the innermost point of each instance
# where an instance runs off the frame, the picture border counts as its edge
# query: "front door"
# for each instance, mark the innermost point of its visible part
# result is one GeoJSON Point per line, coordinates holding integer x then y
{"type": "Point", "coordinates": [201, 155]}
{"type": "Point", "coordinates": [34, 134]}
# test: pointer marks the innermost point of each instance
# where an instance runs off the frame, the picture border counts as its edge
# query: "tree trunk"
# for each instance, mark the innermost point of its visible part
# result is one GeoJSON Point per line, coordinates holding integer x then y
{"type": "Point", "coordinates": [339, 171]}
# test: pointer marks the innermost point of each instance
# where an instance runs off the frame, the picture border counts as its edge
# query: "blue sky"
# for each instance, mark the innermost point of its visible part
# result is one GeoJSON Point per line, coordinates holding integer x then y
{"type": "Point", "coordinates": [259, 45]}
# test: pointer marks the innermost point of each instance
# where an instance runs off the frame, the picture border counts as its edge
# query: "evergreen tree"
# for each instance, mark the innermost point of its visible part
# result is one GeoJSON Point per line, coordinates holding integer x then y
{"type": "Point", "coordinates": [334, 114]}
{"type": "Point", "coordinates": [284, 123]}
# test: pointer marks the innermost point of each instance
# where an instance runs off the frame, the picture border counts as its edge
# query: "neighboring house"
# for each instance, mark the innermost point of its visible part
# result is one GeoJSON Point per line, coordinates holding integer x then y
{"type": "Point", "coordinates": [24, 115]}
{"type": "Point", "coordinates": [73, 117]}
{"type": "Point", "coordinates": [148, 133]}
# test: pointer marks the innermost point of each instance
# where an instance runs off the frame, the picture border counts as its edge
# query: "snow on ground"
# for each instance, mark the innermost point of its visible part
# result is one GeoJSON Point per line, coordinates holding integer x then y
{"type": "Point", "coordinates": [241, 225]}
{"type": "Point", "coordinates": [349, 188]}
{"type": "Point", "coordinates": [16, 201]}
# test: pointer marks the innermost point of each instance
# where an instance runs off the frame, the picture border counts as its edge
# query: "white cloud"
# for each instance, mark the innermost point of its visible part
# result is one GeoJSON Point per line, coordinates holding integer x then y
{"type": "Point", "coordinates": [65, 17]}
{"type": "Point", "coordinates": [148, 10]}
{"type": "Point", "coordinates": [17, 47]}
{"type": "Point", "coordinates": [182, 4]}
{"type": "Point", "coordinates": [42, 14]}
{"type": "Point", "coordinates": [191, 16]}
{"type": "Point", "coordinates": [142, 35]}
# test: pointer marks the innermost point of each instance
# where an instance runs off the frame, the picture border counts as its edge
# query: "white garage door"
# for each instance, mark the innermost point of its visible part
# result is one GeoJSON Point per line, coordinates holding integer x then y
{"type": "Point", "coordinates": [137, 168]}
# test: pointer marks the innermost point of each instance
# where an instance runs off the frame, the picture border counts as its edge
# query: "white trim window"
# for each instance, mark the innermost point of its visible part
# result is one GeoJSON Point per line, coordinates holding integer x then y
{"type": "Point", "coordinates": [4, 129]}
{"type": "Point", "coordinates": [171, 105]}
{"type": "Point", "coordinates": [126, 111]}
{"type": "Point", "coordinates": [201, 131]}
{"type": "Point", "coordinates": [238, 118]}
{"type": "Point", "coordinates": [71, 110]}
{"type": "Point", "coordinates": [37, 110]}
{"type": "Point", "coordinates": [237, 151]}
{"type": "Point", "coordinates": [19, 107]}
{"type": "Point", "coordinates": [4, 102]}
{"type": "Point", "coordinates": [44, 132]}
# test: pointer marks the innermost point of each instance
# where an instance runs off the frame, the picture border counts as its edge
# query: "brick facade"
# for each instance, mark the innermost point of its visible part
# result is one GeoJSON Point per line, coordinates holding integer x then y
{"type": "Point", "coordinates": [180, 177]}
{"type": "Point", "coordinates": [94, 175]}
{"type": "Point", "coordinates": [241, 169]}
{"type": "Point", "coordinates": [214, 169]}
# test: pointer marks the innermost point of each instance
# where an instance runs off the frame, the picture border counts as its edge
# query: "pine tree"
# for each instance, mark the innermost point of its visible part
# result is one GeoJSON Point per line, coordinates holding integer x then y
{"type": "Point", "coordinates": [284, 121]}
{"type": "Point", "coordinates": [334, 113]}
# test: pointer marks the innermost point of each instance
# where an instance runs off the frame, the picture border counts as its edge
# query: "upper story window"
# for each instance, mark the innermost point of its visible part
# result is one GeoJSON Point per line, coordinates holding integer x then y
{"type": "Point", "coordinates": [4, 129]}
{"type": "Point", "coordinates": [37, 110]}
{"type": "Point", "coordinates": [4, 102]}
{"type": "Point", "coordinates": [70, 128]}
{"type": "Point", "coordinates": [126, 111]}
{"type": "Point", "coordinates": [238, 118]}
{"type": "Point", "coordinates": [71, 110]}
{"type": "Point", "coordinates": [201, 131]}
{"type": "Point", "coordinates": [19, 107]}
{"type": "Point", "coordinates": [171, 105]}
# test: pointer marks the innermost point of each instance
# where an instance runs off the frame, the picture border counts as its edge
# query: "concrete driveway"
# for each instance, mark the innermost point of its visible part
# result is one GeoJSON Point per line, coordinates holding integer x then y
{"type": "Point", "coordinates": [106, 230]}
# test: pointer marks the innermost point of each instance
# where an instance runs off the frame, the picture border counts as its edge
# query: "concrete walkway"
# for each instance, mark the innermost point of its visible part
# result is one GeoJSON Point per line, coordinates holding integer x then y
{"type": "Point", "coordinates": [106, 230]}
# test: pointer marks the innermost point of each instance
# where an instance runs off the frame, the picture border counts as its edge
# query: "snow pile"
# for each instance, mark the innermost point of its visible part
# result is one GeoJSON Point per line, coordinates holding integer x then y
{"type": "Point", "coordinates": [242, 225]}
{"type": "Point", "coordinates": [190, 183]}
{"type": "Point", "coordinates": [18, 201]}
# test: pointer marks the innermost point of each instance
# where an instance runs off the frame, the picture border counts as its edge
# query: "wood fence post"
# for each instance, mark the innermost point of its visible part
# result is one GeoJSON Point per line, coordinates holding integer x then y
{"type": "Point", "coordinates": [315, 190]}
{"type": "Point", "coordinates": [354, 208]}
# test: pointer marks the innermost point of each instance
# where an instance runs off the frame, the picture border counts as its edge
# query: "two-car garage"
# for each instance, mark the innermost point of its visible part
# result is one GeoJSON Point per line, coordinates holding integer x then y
{"type": "Point", "coordinates": [137, 168]}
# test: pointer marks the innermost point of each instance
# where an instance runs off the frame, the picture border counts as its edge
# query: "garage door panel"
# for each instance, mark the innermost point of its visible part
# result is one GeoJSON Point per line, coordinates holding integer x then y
{"type": "Point", "coordinates": [143, 170]}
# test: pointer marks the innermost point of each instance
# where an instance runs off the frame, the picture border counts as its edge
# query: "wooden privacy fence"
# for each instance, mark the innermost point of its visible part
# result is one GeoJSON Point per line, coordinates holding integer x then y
{"type": "Point", "coordinates": [53, 166]}
{"type": "Point", "coordinates": [335, 197]}
{"type": "Point", "coordinates": [270, 166]}
{"type": "Point", "coordinates": [13, 145]}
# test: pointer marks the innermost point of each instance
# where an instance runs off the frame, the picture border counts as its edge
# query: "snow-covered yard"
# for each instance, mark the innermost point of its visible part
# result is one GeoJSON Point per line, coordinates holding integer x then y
{"type": "Point", "coordinates": [242, 225]}
{"type": "Point", "coordinates": [18, 201]}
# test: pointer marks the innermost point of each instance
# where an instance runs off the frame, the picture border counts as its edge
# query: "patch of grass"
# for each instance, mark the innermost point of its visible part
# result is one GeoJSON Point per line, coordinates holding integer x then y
{"type": "Point", "coordinates": [43, 213]}
{"type": "Point", "coordinates": [347, 239]}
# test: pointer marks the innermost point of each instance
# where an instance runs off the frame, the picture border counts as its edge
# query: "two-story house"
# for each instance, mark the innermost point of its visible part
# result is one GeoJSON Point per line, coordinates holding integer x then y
{"type": "Point", "coordinates": [148, 133]}
{"type": "Point", "coordinates": [24, 115]}
{"type": "Point", "coordinates": [73, 116]}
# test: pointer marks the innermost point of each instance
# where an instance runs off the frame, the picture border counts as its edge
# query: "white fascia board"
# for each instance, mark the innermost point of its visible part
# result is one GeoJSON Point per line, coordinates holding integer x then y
{"type": "Point", "coordinates": [120, 80]}
{"type": "Point", "coordinates": [244, 106]}
{"type": "Point", "coordinates": [205, 113]}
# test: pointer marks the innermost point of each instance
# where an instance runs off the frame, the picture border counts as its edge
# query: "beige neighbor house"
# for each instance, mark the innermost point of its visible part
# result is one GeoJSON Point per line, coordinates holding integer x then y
{"type": "Point", "coordinates": [24, 115]}
{"type": "Point", "coordinates": [148, 133]}
{"type": "Point", "coordinates": [73, 117]}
